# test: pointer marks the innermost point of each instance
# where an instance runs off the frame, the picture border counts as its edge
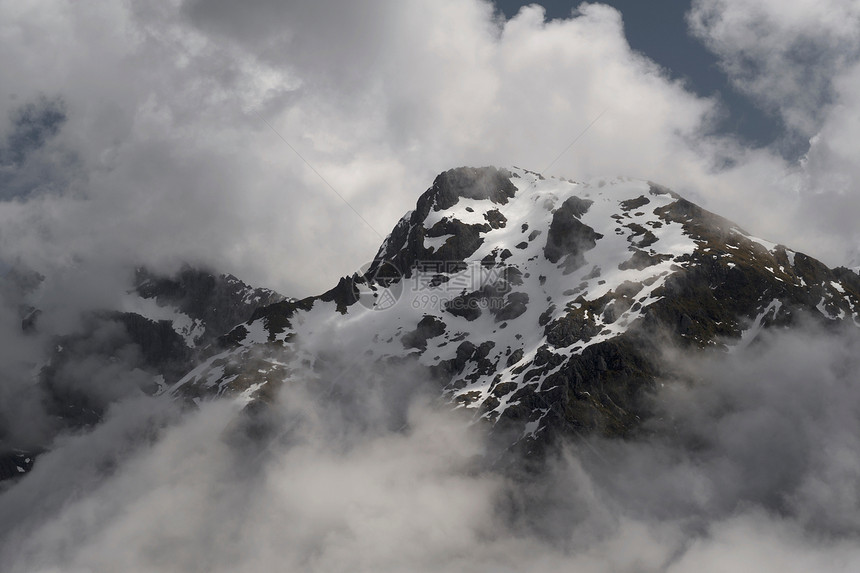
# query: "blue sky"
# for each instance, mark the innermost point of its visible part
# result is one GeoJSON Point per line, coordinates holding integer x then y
{"type": "Point", "coordinates": [660, 31]}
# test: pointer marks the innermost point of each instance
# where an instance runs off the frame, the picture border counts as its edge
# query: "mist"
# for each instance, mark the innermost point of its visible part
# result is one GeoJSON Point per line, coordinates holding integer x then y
{"type": "Point", "coordinates": [750, 463]}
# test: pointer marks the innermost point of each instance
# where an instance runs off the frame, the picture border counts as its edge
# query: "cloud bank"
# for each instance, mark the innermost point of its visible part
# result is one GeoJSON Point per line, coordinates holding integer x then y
{"type": "Point", "coordinates": [160, 134]}
{"type": "Point", "coordinates": [754, 466]}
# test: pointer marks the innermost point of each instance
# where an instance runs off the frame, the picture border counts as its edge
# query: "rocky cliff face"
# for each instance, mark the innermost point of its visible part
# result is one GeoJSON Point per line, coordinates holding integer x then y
{"type": "Point", "coordinates": [213, 303]}
{"type": "Point", "coordinates": [164, 325]}
{"type": "Point", "coordinates": [539, 304]}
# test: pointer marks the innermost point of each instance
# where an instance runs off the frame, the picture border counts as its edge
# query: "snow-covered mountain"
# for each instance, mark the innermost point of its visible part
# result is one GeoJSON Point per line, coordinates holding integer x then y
{"type": "Point", "coordinates": [541, 305]}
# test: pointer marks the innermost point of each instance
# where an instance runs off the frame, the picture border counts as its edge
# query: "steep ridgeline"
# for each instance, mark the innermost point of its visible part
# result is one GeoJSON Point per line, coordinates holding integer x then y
{"type": "Point", "coordinates": [156, 333]}
{"type": "Point", "coordinates": [540, 305]}
{"type": "Point", "coordinates": [161, 326]}
{"type": "Point", "coordinates": [200, 305]}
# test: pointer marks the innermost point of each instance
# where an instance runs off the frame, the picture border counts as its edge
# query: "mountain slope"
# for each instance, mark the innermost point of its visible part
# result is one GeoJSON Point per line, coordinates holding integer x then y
{"type": "Point", "coordinates": [539, 304]}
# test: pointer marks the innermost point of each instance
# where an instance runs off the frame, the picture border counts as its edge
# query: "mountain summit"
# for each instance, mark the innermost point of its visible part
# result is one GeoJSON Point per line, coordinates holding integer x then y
{"type": "Point", "coordinates": [540, 304]}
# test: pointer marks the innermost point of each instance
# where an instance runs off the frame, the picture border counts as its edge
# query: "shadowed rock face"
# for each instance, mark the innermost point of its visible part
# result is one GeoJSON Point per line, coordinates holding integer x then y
{"type": "Point", "coordinates": [515, 305]}
{"type": "Point", "coordinates": [568, 236]}
{"type": "Point", "coordinates": [483, 183]}
{"type": "Point", "coordinates": [14, 464]}
{"type": "Point", "coordinates": [219, 301]}
{"type": "Point", "coordinates": [463, 241]}
{"type": "Point", "coordinates": [428, 327]}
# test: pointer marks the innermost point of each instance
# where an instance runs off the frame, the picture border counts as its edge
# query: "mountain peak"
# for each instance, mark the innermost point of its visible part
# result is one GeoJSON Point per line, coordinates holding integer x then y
{"type": "Point", "coordinates": [539, 302]}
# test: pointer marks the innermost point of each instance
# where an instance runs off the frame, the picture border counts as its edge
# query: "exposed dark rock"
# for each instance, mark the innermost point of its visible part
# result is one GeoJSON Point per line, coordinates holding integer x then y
{"type": "Point", "coordinates": [546, 315]}
{"type": "Point", "coordinates": [14, 464]}
{"type": "Point", "coordinates": [484, 349]}
{"type": "Point", "coordinates": [576, 325]}
{"type": "Point", "coordinates": [631, 204]}
{"type": "Point", "coordinates": [466, 306]}
{"type": "Point", "coordinates": [516, 305]}
{"type": "Point", "coordinates": [344, 295]}
{"type": "Point", "coordinates": [405, 246]}
{"type": "Point", "coordinates": [219, 301]}
{"type": "Point", "coordinates": [641, 237]}
{"type": "Point", "coordinates": [503, 388]}
{"type": "Point", "coordinates": [446, 369]}
{"type": "Point", "coordinates": [465, 240]}
{"type": "Point", "coordinates": [276, 317]}
{"type": "Point", "coordinates": [428, 327]}
{"type": "Point", "coordinates": [158, 342]}
{"type": "Point", "coordinates": [568, 236]}
{"type": "Point", "coordinates": [470, 183]}
{"type": "Point", "coordinates": [513, 276]}
{"type": "Point", "coordinates": [642, 260]}
{"type": "Point", "coordinates": [495, 218]}
{"type": "Point", "coordinates": [515, 357]}
{"type": "Point", "coordinates": [489, 259]}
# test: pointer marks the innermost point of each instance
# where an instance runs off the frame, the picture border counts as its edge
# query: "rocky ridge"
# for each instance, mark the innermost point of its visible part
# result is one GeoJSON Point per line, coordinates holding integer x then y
{"type": "Point", "coordinates": [160, 329]}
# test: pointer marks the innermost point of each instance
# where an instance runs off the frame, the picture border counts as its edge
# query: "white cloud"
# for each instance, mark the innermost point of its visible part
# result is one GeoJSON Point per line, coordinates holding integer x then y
{"type": "Point", "coordinates": [166, 155]}
{"type": "Point", "coordinates": [786, 54]}
{"type": "Point", "coordinates": [801, 60]}
{"type": "Point", "coordinates": [168, 107]}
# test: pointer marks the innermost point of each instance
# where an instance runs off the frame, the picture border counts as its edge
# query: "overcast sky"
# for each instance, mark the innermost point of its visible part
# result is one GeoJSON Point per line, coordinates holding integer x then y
{"type": "Point", "coordinates": [281, 141]}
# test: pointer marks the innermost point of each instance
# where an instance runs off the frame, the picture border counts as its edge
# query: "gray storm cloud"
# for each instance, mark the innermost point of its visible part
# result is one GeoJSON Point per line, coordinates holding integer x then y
{"type": "Point", "coordinates": [754, 466]}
